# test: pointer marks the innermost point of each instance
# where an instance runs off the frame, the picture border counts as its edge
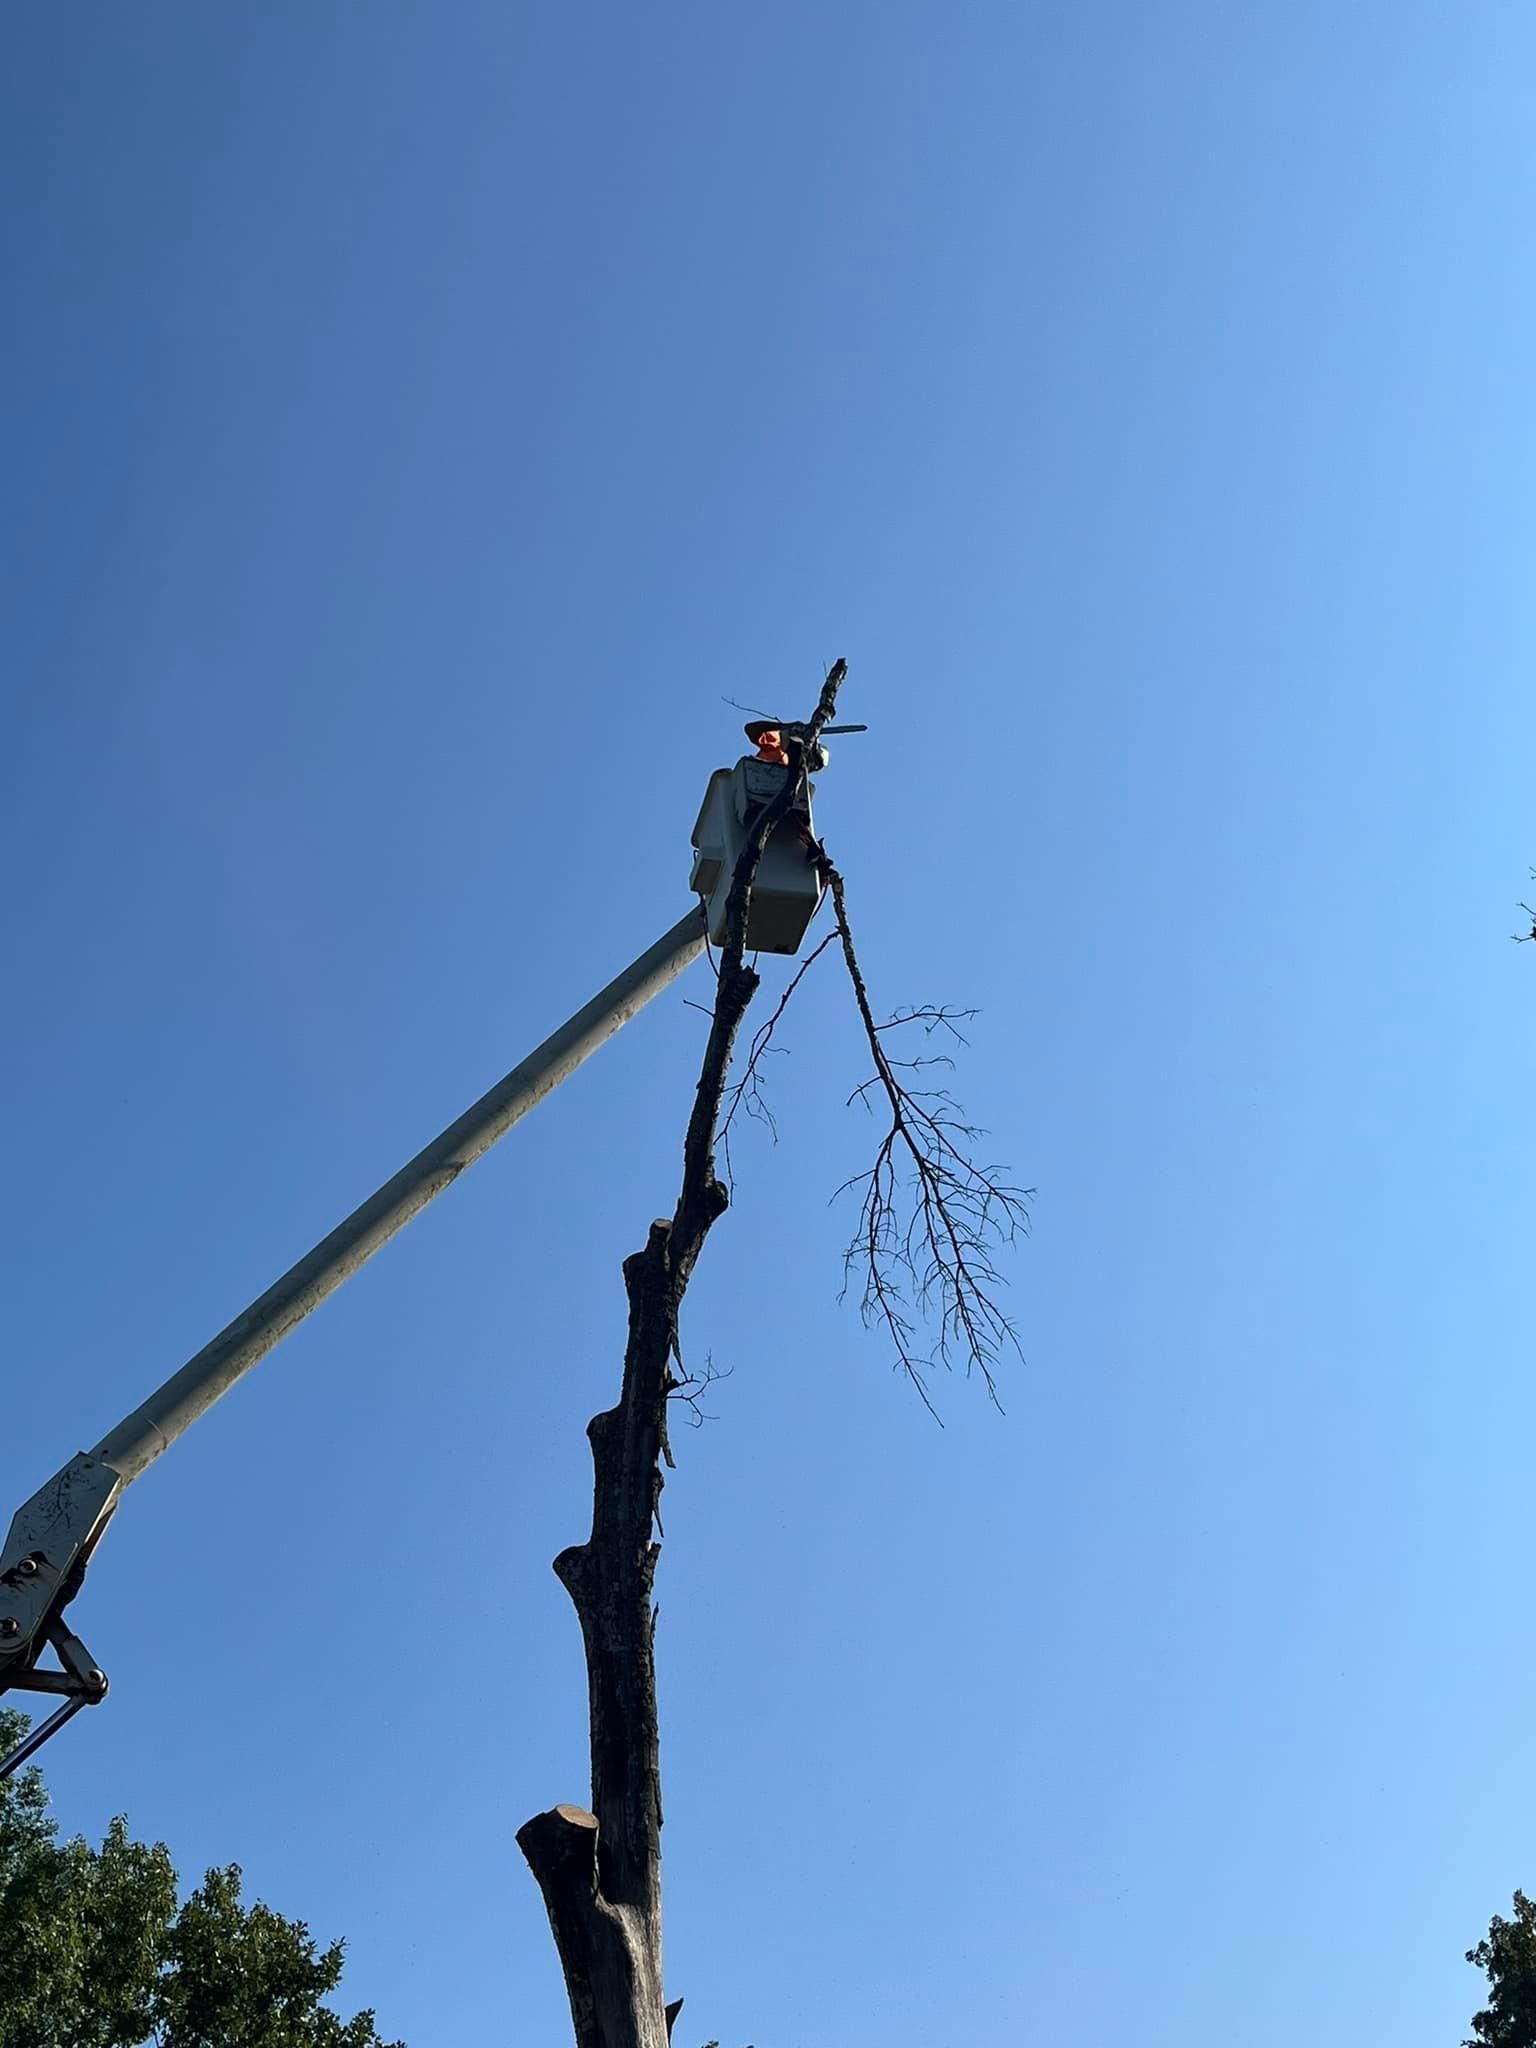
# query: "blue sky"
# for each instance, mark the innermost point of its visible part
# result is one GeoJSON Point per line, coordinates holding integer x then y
{"type": "Point", "coordinates": [418, 421]}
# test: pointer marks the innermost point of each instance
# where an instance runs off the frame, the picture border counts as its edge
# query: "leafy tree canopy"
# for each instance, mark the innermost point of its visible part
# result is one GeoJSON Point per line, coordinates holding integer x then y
{"type": "Point", "coordinates": [98, 1953]}
{"type": "Point", "coordinates": [1508, 1954]}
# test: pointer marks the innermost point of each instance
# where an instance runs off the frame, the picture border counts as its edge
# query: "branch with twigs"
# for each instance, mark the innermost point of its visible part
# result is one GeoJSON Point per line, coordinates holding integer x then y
{"type": "Point", "coordinates": [933, 1220]}
{"type": "Point", "coordinates": [748, 1094]}
{"type": "Point", "coordinates": [691, 1388]}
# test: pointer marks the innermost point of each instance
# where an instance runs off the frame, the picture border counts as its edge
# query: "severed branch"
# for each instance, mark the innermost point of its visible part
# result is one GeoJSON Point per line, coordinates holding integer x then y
{"type": "Point", "coordinates": [932, 1221]}
{"type": "Point", "coordinates": [600, 1870]}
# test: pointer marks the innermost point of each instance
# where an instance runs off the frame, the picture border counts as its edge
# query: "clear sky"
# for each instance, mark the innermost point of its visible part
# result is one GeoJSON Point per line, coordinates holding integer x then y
{"type": "Point", "coordinates": [418, 419]}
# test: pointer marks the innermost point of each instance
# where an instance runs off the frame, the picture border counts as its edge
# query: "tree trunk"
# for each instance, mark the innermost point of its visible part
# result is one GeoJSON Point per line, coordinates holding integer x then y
{"type": "Point", "coordinates": [600, 1871]}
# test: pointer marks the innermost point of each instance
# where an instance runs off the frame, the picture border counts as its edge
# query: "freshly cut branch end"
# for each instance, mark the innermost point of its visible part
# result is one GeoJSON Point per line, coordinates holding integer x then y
{"type": "Point", "coordinates": [564, 1836]}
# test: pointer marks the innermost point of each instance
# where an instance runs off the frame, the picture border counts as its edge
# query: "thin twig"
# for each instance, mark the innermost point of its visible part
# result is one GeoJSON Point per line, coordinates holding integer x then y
{"type": "Point", "coordinates": [691, 1388]}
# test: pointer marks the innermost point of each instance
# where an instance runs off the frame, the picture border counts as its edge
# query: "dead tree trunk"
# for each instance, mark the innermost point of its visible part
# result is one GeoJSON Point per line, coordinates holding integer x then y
{"type": "Point", "coordinates": [600, 1870]}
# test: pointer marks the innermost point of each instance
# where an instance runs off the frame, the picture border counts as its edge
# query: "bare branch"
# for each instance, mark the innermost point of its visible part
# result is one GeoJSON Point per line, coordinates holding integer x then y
{"type": "Point", "coordinates": [1523, 938]}
{"type": "Point", "coordinates": [690, 1389]}
{"type": "Point", "coordinates": [932, 1219]}
{"type": "Point", "coordinates": [933, 1017]}
{"type": "Point", "coordinates": [748, 1091]}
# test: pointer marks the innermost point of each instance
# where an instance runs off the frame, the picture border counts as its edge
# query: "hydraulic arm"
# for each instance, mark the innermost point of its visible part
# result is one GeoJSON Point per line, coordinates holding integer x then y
{"type": "Point", "coordinates": [52, 1537]}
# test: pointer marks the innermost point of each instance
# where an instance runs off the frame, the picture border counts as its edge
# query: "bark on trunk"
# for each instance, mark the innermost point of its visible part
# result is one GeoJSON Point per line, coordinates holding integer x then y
{"type": "Point", "coordinates": [600, 1870]}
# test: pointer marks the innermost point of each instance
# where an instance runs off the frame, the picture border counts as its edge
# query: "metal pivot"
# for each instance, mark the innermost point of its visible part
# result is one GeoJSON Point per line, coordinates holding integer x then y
{"type": "Point", "coordinates": [79, 1679]}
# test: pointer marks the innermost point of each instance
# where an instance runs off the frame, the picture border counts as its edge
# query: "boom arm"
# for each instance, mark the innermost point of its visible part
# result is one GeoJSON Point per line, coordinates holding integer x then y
{"type": "Point", "coordinates": [52, 1537]}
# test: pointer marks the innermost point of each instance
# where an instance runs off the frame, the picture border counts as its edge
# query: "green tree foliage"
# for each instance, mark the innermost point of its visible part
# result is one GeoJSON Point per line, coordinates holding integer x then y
{"type": "Point", "coordinates": [1508, 1954]}
{"type": "Point", "coordinates": [95, 1951]}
